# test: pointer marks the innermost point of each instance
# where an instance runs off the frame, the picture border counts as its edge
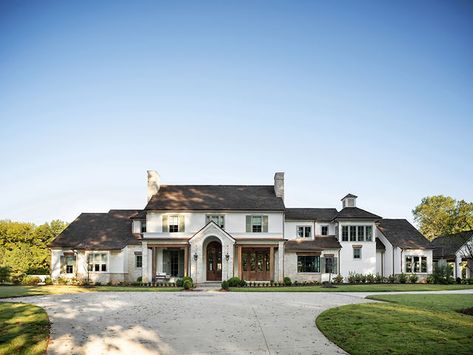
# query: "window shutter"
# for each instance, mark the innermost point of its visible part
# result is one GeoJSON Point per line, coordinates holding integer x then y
{"type": "Point", "coordinates": [265, 224]}
{"type": "Point", "coordinates": [182, 220]}
{"type": "Point", "coordinates": [165, 223]}
{"type": "Point", "coordinates": [248, 224]}
{"type": "Point", "coordinates": [62, 261]}
{"type": "Point", "coordinates": [335, 264]}
{"type": "Point", "coordinates": [322, 264]}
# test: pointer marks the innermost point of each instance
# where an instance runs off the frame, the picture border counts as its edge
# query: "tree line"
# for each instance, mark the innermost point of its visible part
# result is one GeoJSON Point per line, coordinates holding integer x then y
{"type": "Point", "coordinates": [24, 246]}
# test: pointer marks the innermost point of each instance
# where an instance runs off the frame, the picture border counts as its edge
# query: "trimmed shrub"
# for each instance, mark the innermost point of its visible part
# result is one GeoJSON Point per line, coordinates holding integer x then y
{"type": "Point", "coordinates": [187, 284]}
{"type": "Point", "coordinates": [370, 278]}
{"type": "Point", "coordinates": [391, 279]}
{"type": "Point", "coordinates": [48, 281]}
{"type": "Point", "coordinates": [235, 282]}
{"type": "Point", "coordinates": [402, 278]}
{"type": "Point", "coordinates": [4, 274]}
{"type": "Point", "coordinates": [31, 280]}
{"type": "Point", "coordinates": [225, 284]}
{"type": "Point", "coordinates": [287, 281]}
{"type": "Point", "coordinates": [379, 279]}
{"type": "Point", "coordinates": [139, 279]}
{"type": "Point", "coordinates": [179, 283]}
{"type": "Point", "coordinates": [413, 278]}
{"type": "Point", "coordinates": [187, 278]}
{"type": "Point", "coordinates": [443, 274]}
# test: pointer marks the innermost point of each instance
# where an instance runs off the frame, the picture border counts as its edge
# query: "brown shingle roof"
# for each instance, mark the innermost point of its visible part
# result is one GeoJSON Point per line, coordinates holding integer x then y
{"type": "Point", "coordinates": [400, 233]}
{"type": "Point", "coordinates": [319, 243]}
{"type": "Point", "coordinates": [356, 213]}
{"type": "Point", "coordinates": [216, 197]}
{"type": "Point", "coordinates": [447, 246]}
{"type": "Point", "coordinates": [98, 231]}
{"type": "Point", "coordinates": [311, 214]}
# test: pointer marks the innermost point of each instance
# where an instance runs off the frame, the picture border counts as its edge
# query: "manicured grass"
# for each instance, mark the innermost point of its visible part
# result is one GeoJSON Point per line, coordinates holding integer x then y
{"type": "Point", "coordinates": [446, 303]}
{"type": "Point", "coordinates": [24, 329]}
{"type": "Point", "coordinates": [424, 324]}
{"type": "Point", "coordinates": [22, 291]}
{"type": "Point", "coordinates": [356, 288]}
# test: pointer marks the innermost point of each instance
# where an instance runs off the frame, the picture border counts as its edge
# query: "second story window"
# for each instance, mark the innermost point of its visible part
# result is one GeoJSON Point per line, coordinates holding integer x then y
{"type": "Point", "coordinates": [345, 233]}
{"type": "Point", "coordinates": [352, 233]}
{"type": "Point", "coordinates": [256, 224]}
{"type": "Point", "coordinates": [218, 219]}
{"type": "Point", "coordinates": [304, 231]}
{"type": "Point", "coordinates": [173, 224]}
{"type": "Point", "coordinates": [356, 253]}
{"type": "Point", "coordinates": [324, 230]}
{"type": "Point", "coordinates": [143, 226]}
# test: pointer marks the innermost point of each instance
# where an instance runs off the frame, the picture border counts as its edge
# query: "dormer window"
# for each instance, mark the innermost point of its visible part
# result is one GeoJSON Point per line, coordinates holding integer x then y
{"type": "Point", "coordinates": [324, 230]}
{"type": "Point", "coordinates": [304, 231]}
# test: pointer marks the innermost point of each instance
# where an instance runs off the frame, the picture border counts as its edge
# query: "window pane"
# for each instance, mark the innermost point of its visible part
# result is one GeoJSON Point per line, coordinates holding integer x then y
{"type": "Point", "coordinates": [104, 267]}
{"type": "Point", "coordinates": [361, 233]}
{"type": "Point", "coordinates": [357, 253]}
{"type": "Point", "coordinates": [97, 267]}
{"type": "Point", "coordinates": [307, 232]}
{"type": "Point", "coordinates": [104, 258]}
{"type": "Point", "coordinates": [424, 264]}
{"type": "Point", "coordinates": [352, 233]}
{"type": "Point", "coordinates": [300, 232]}
{"type": "Point", "coordinates": [324, 230]}
{"type": "Point", "coordinates": [345, 233]}
{"type": "Point", "coordinates": [369, 233]}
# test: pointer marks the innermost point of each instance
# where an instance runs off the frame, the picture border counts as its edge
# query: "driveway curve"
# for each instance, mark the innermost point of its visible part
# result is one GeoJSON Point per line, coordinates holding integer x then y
{"type": "Point", "coordinates": [189, 322]}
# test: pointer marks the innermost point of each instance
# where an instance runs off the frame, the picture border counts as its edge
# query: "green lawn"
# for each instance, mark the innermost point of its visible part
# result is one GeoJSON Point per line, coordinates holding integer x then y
{"type": "Point", "coordinates": [356, 288]}
{"type": "Point", "coordinates": [22, 291]}
{"type": "Point", "coordinates": [24, 329]}
{"type": "Point", "coordinates": [408, 324]}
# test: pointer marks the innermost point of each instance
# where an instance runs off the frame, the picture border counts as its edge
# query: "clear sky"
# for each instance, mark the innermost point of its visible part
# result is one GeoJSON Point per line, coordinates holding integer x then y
{"type": "Point", "coordinates": [369, 97]}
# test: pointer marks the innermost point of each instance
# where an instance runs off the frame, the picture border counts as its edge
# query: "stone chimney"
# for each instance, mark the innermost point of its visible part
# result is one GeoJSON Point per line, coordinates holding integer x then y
{"type": "Point", "coordinates": [279, 184]}
{"type": "Point", "coordinates": [154, 182]}
{"type": "Point", "coordinates": [349, 201]}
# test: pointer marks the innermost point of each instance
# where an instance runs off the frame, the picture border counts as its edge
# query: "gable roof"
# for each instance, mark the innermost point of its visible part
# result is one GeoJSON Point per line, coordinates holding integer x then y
{"type": "Point", "coordinates": [348, 196]}
{"type": "Point", "coordinates": [446, 246]}
{"type": "Point", "coordinates": [318, 243]}
{"type": "Point", "coordinates": [98, 231]}
{"type": "Point", "coordinates": [400, 233]}
{"type": "Point", "coordinates": [311, 214]}
{"type": "Point", "coordinates": [216, 197]}
{"type": "Point", "coordinates": [355, 213]}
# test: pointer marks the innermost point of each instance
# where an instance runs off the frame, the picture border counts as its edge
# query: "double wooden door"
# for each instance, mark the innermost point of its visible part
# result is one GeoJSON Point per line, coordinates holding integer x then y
{"type": "Point", "coordinates": [256, 264]}
{"type": "Point", "coordinates": [214, 261]}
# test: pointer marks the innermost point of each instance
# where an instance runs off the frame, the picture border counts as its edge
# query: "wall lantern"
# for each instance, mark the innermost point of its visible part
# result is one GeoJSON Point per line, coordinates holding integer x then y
{"type": "Point", "coordinates": [196, 256]}
{"type": "Point", "coordinates": [227, 256]}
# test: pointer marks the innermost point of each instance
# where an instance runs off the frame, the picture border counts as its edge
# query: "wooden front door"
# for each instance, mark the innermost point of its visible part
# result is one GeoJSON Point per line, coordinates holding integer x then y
{"type": "Point", "coordinates": [256, 264]}
{"type": "Point", "coordinates": [214, 261]}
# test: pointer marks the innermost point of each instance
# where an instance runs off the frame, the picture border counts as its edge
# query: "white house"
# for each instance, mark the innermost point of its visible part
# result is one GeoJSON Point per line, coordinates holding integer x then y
{"type": "Point", "coordinates": [456, 249]}
{"type": "Point", "coordinates": [215, 232]}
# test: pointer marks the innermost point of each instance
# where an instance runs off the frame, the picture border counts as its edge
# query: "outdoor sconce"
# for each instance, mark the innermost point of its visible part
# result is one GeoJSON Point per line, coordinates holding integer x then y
{"type": "Point", "coordinates": [227, 256]}
{"type": "Point", "coordinates": [196, 256]}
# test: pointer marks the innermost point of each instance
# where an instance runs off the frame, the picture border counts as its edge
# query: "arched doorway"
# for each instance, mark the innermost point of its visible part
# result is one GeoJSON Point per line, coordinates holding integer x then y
{"type": "Point", "coordinates": [214, 261]}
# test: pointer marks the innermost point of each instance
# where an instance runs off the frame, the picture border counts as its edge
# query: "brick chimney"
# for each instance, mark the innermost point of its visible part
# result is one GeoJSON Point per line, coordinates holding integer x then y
{"type": "Point", "coordinates": [279, 184]}
{"type": "Point", "coordinates": [154, 182]}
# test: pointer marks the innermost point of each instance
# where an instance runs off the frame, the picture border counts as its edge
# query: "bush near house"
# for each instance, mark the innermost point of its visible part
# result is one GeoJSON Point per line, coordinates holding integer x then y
{"type": "Point", "coordinates": [236, 282]}
{"type": "Point", "coordinates": [287, 281]}
{"type": "Point", "coordinates": [187, 284]}
{"type": "Point", "coordinates": [225, 285]}
{"type": "Point", "coordinates": [31, 280]}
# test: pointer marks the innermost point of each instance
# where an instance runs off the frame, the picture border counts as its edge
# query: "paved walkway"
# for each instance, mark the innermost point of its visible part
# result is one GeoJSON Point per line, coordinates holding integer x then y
{"type": "Point", "coordinates": [189, 322]}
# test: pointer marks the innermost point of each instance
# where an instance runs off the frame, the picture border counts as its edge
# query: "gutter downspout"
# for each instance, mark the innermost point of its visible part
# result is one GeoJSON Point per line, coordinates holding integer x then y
{"type": "Point", "coordinates": [393, 259]}
{"type": "Point", "coordinates": [402, 251]}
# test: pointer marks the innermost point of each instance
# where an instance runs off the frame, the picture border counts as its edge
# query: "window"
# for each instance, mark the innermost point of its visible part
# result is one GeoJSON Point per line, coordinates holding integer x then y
{"type": "Point", "coordinates": [97, 262]}
{"type": "Point", "coordinates": [352, 233]}
{"type": "Point", "coordinates": [256, 224]}
{"type": "Point", "coordinates": [329, 262]}
{"type": "Point", "coordinates": [345, 233]}
{"type": "Point", "coordinates": [356, 253]}
{"type": "Point", "coordinates": [139, 260]}
{"type": "Point", "coordinates": [369, 233]}
{"type": "Point", "coordinates": [361, 233]}
{"type": "Point", "coordinates": [173, 224]}
{"type": "Point", "coordinates": [143, 226]}
{"type": "Point", "coordinates": [304, 231]}
{"type": "Point", "coordinates": [218, 219]}
{"type": "Point", "coordinates": [308, 263]}
{"type": "Point", "coordinates": [416, 264]}
{"type": "Point", "coordinates": [69, 261]}
{"type": "Point", "coordinates": [324, 230]}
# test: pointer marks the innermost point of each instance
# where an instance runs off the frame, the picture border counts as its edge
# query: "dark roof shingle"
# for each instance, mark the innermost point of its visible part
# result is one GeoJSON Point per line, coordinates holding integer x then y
{"type": "Point", "coordinates": [355, 212]}
{"type": "Point", "coordinates": [216, 197]}
{"type": "Point", "coordinates": [318, 243]}
{"type": "Point", "coordinates": [400, 233]}
{"type": "Point", "coordinates": [311, 214]}
{"type": "Point", "coordinates": [98, 231]}
{"type": "Point", "coordinates": [446, 246]}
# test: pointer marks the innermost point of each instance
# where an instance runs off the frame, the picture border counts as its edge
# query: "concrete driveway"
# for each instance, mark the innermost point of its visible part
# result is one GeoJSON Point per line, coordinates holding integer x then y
{"type": "Point", "coordinates": [189, 322]}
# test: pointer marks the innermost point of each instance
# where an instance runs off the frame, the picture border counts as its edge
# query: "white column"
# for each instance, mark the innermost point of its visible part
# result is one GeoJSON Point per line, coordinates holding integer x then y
{"type": "Point", "coordinates": [145, 266]}
{"type": "Point", "coordinates": [458, 270]}
{"type": "Point", "coordinates": [469, 269]}
{"type": "Point", "coordinates": [281, 261]}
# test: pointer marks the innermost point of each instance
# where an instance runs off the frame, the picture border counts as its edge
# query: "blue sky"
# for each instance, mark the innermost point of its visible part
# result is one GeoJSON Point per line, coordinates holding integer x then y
{"type": "Point", "coordinates": [369, 97]}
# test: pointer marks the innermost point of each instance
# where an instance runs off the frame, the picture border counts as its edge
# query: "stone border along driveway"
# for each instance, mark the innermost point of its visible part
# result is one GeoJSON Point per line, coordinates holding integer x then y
{"type": "Point", "coordinates": [190, 322]}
